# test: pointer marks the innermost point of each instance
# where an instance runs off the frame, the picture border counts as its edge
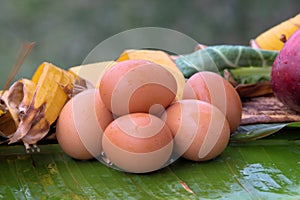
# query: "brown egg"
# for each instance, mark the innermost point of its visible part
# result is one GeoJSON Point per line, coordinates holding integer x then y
{"type": "Point", "coordinates": [138, 143]}
{"type": "Point", "coordinates": [133, 86]}
{"type": "Point", "coordinates": [200, 130]}
{"type": "Point", "coordinates": [81, 124]}
{"type": "Point", "coordinates": [214, 89]}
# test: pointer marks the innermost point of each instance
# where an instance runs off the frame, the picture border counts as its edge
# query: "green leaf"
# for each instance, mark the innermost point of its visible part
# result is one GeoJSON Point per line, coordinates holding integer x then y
{"type": "Point", "coordinates": [220, 57]}
{"type": "Point", "coordinates": [261, 169]}
{"type": "Point", "coordinates": [249, 75]}
{"type": "Point", "coordinates": [257, 131]}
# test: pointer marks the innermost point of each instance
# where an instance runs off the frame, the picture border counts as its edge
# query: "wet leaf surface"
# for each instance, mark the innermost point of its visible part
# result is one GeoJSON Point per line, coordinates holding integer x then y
{"type": "Point", "coordinates": [261, 169]}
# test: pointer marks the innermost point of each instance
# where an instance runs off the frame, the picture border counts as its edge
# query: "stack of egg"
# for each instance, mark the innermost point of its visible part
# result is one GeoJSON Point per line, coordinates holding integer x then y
{"type": "Point", "coordinates": [136, 121]}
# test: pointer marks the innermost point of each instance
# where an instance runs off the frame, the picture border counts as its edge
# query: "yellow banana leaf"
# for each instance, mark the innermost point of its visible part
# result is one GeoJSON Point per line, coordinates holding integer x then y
{"type": "Point", "coordinates": [50, 95]}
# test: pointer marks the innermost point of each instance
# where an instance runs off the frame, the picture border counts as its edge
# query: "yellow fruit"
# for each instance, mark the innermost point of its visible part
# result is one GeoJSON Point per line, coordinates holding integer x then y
{"type": "Point", "coordinates": [92, 72]}
{"type": "Point", "coordinates": [272, 38]}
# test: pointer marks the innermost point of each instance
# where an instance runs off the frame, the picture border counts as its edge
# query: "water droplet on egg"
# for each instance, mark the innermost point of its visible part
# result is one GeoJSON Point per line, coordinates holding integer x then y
{"type": "Point", "coordinates": [105, 159]}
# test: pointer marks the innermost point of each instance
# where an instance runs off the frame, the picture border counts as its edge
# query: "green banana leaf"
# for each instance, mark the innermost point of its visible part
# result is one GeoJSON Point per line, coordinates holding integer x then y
{"type": "Point", "coordinates": [261, 169]}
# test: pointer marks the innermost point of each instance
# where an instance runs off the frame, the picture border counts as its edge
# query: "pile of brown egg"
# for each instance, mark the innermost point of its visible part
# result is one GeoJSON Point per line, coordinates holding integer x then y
{"type": "Point", "coordinates": [136, 122]}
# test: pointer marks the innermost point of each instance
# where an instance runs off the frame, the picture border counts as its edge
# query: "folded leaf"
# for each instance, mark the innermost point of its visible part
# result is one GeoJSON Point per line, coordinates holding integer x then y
{"type": "Point", "coordinates": [258, 131]}
{"type": "Point", "coordinates": [218, 58]}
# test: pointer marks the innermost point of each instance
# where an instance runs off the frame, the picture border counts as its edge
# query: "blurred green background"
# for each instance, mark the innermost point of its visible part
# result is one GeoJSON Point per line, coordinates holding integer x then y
{"type": "Point", "coordinates": [66, 31]}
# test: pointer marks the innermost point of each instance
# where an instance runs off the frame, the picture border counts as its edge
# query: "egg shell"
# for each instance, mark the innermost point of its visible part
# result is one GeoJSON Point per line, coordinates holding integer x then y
{"type": "Point", "coordinates": [134, 86]}
{"type": "Point", "coordinates": [138, 143]}
{"type": "Point", "coordinates": [81, 124]}
{"type": "Point", "coordinates": [200, 130]}
{"type": "Point", "coordinates": [158, 57]}
{"type": "Point", "coordinates": [214, 89]}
